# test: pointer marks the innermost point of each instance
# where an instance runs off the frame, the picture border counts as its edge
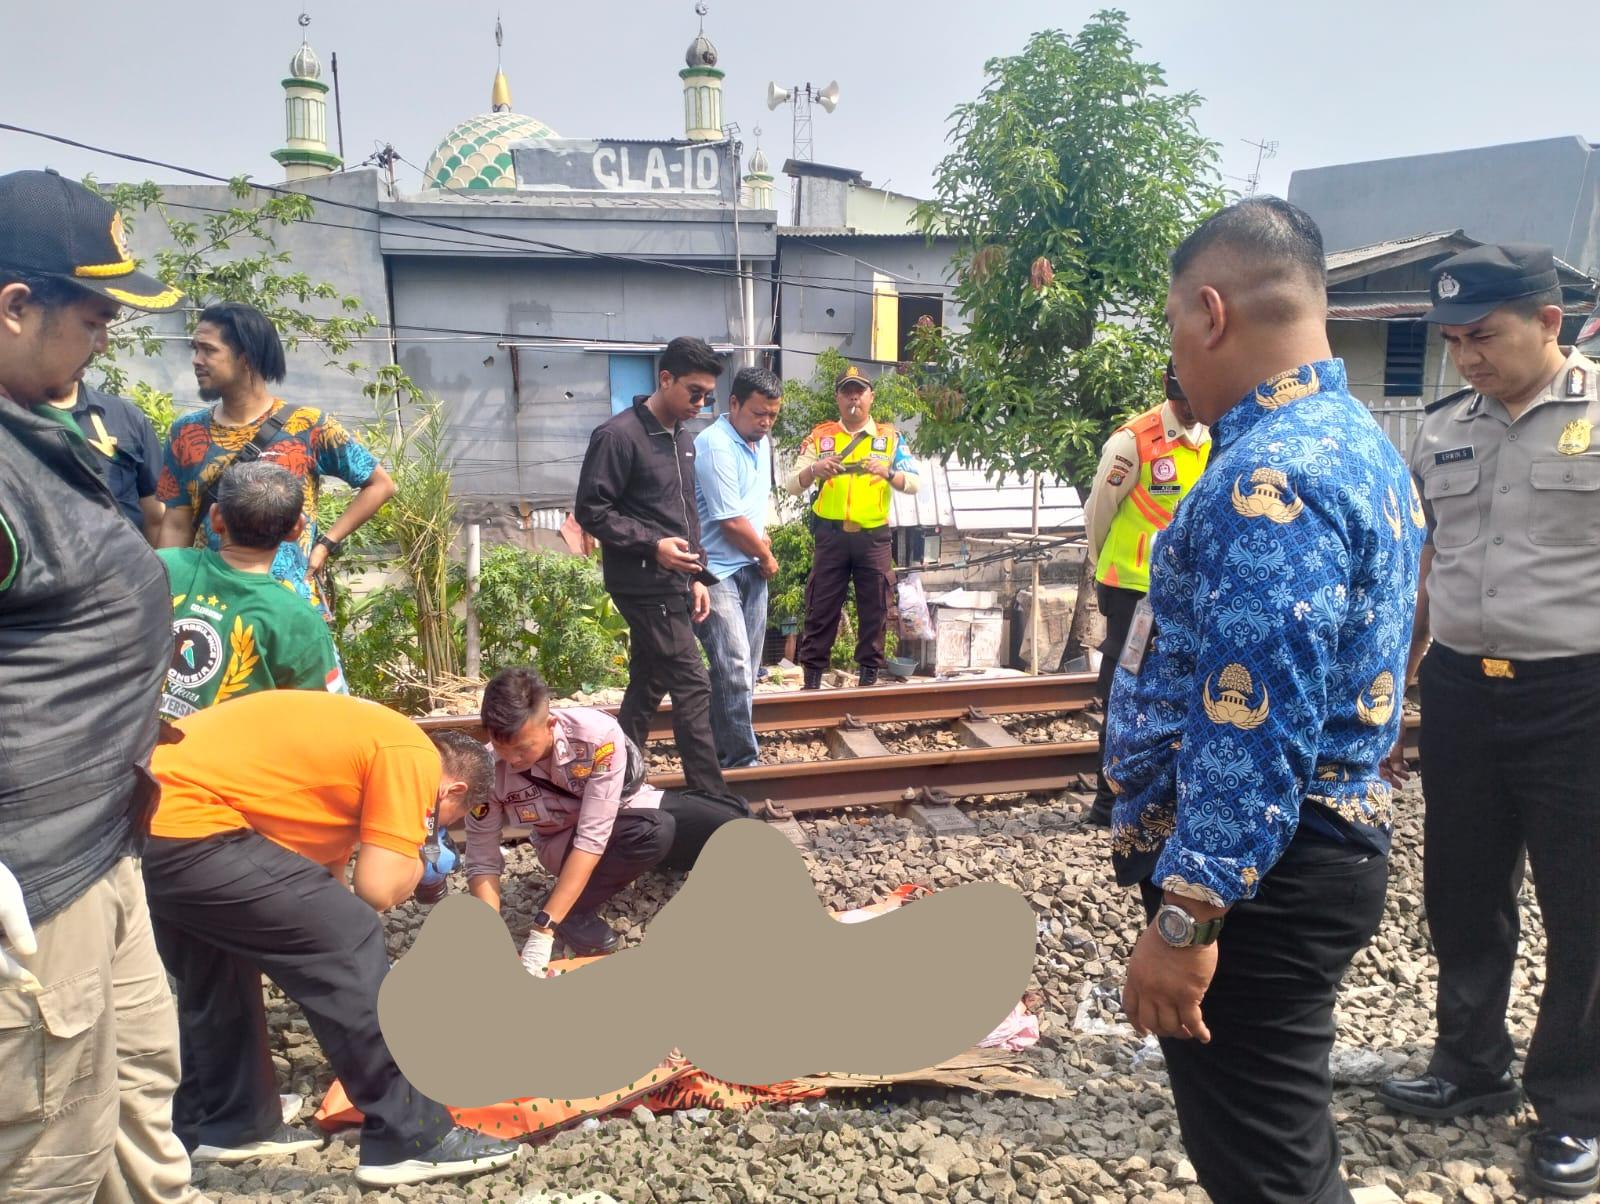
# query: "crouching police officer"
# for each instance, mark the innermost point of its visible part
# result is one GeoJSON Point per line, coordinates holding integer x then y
{"type": "Point", "coordinates": [857, 461]}
{"type": "Point", "coordinates": [1509, 473]}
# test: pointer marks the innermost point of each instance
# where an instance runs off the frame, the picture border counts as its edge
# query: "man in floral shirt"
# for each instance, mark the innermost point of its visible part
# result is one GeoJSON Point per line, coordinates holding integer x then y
{"type": "Point", "coordinates": [237, 354]}
{"type": "Point", "coordinates": [1246, 731]}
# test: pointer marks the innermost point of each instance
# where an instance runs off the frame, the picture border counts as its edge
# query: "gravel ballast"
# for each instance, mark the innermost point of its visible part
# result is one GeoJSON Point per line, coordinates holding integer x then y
{"type": "Point", "coordinates": [1113, 1138]}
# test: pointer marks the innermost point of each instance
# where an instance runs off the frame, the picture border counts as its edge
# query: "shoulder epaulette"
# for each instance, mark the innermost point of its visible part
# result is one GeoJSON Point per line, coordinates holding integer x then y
{"type": "Point", "coordinates": [1446, 400]}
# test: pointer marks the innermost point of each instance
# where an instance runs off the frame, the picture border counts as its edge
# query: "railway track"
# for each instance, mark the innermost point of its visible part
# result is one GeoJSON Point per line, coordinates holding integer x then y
{"type": "Point", "coordinates": [860, 771]}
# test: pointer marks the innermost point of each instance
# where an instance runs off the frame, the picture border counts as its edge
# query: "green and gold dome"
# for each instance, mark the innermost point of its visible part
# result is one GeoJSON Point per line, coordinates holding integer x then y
{"type": "Point", "coordinates": [476, 154]}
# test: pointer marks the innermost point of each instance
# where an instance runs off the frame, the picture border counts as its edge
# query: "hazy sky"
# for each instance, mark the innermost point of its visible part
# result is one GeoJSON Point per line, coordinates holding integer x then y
{"type": "Point", "coordinates": [198, 84]}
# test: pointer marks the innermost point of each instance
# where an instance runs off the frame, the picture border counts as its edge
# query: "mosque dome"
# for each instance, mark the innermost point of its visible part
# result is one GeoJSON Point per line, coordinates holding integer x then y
{"type": "Point", "coordinates": [305, 64]}
{"type": "Point", "coordinates": [477, 153]}
{"type": "Point", "coordinates": [758, 163]}
{"type": "Point", "coordinates": [701, 53]}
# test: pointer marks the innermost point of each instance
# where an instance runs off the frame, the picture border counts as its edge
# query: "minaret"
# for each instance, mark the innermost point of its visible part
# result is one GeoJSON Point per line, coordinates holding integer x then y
{"type": "Point", "coordinates": [305, 153]}
{"type": "Point", "coordinates": [758, 181]}
{"type": "Point", "coordinates": [702, 87]}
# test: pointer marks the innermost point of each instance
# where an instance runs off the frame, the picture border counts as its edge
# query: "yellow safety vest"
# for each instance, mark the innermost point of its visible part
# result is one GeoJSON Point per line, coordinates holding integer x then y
{"type": "Point", "coordinates": [1168, 469]}
{"type": "Point", "coordinates": [853, 497]}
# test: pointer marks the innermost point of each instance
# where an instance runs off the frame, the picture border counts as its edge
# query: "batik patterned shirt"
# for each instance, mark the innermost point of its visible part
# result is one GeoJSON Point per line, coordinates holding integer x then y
{"type": "Point", "coordinates": [311, 444]}
{"type": "Point", "coordinates": [1282, 595]}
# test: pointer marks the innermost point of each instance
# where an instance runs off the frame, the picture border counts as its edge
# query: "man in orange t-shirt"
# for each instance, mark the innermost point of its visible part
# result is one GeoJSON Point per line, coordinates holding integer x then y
{"type": "Point", "coordinates": [263, 800]}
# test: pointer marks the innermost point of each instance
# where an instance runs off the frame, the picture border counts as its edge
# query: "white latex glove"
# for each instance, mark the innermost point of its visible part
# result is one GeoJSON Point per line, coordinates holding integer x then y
{"type": "Point", "coordinates": [536, 952]}
{"type": "Point", "coordinates": [18, 933]}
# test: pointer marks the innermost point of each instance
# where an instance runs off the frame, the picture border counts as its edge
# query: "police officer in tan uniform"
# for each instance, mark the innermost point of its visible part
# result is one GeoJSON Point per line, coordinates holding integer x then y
{"type": "Point", "coordinates": [1509, 475]}
{"type": "Point", "coordinates": [1146, 467]}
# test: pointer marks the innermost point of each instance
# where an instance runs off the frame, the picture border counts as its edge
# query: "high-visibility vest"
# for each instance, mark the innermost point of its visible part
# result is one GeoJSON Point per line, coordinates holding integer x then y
{"type": "Point", "coordinates": [1168, 469]}
{"type": "Point", "coordinates": [854, 497]}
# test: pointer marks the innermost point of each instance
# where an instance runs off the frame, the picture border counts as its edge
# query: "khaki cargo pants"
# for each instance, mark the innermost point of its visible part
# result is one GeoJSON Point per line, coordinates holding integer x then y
{"type": "Point", "coordinates": [89, 1065]}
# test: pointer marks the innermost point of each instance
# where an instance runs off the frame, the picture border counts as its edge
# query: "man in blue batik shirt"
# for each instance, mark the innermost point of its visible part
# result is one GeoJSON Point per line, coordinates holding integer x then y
{"type": "Point", "coordinates": [1246, 731]}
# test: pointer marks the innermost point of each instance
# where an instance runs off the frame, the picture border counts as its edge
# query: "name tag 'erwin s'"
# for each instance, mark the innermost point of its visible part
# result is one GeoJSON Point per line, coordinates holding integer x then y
{"type": "Point", "coordinates": [1454, 456]}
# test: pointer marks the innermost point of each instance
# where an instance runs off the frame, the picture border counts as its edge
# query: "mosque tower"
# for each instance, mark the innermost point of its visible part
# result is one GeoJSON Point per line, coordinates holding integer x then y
{"type": "Point", "coordinates": [305, 154]}
{"type": "Point", "coordinates": [702, 87]}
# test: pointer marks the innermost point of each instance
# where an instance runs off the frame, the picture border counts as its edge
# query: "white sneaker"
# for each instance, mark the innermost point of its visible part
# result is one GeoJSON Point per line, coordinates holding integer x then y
{"type": "Point", "coordinates": [287, 1140]}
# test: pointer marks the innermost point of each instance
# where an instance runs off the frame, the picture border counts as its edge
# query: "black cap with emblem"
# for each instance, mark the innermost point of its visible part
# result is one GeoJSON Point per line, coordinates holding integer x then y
{"type": "Point", "coordinates": [51, 226]}
{"type": "Point", "coordinates": [1471, 285]}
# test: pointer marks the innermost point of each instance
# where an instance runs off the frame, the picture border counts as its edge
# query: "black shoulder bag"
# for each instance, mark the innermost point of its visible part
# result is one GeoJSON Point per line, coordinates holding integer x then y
{"type": "Point", "coordinates": [265, 434]}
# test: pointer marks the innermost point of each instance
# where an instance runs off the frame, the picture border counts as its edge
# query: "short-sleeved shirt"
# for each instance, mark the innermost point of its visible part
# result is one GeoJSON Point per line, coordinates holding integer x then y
{"type": "Point", "coordinates": [234, 633]}
{"type": "Point", "coordinates": [732, 480]}
{"type": "Point", "coordinates": [313, 772]}
{"type": "Point", "coordinates": [310, 444]}
{"type": "Point", "coordinates": [570, 799]}
{"type": "Point", "coordinates": [126, 442]}
{"type": "Point", "coordinates": [1282, 596]}
{"type": "Point", "coordinates": [1513, 511]}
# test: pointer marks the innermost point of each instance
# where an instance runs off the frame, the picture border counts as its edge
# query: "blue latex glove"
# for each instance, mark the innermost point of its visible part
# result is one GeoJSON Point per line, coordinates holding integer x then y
{"type": "Point", "coordinates": [436, 869]}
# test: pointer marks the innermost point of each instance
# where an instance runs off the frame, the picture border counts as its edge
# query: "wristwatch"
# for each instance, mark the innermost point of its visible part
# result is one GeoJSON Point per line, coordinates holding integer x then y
{"type": "Point", "coordinates": [1181, 930]}
{"type": "Point", "coordinates": [542, 921]}
{"type": "Point", "coordinates": [333, 545]}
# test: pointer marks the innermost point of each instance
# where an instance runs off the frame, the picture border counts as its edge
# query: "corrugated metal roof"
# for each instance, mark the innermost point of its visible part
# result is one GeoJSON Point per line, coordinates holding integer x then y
{"type": "Point", "coordinates": [807, 232]}
{"type": "Point", "coordinates": [969, 501]}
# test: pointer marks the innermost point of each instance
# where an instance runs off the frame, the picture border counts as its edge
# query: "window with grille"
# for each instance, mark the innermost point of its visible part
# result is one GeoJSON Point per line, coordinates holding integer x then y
{"type": "Point", "coordinates": [1403, 359]}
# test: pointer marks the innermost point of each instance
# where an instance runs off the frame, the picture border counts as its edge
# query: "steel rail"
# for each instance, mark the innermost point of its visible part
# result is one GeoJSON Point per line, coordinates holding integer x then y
{"type": "Point", "coordinates": [798, 710]}
{"type": "Point", "coordinates": [877, 781]}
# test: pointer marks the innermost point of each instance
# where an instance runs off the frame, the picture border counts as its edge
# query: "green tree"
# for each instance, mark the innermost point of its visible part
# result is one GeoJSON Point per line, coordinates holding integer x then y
{"type": "Point", "coordinates": [1071, 178]}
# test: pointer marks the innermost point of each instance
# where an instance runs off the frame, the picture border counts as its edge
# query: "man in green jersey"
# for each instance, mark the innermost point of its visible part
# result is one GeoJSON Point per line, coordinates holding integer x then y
{"type": "Point", "coordinates": [236, 628]}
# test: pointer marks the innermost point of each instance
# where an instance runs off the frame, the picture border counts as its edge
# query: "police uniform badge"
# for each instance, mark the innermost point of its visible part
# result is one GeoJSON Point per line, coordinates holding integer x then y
{"type": "Point", "coordinates": [481, 811]}
{"type": "Point", "coordinates": [881, 443]}
{"type": "Point", "coordinates": [826, 444]}
{"type": "Point", "coordinates": [1448, 287]}
{"type": "Point", "coordinates": [1116, 478]}
{"type": "Point", "coordinates": [1575, 436]}
{"type": "Point", "coordinates": [1577, 382]}
{"type": "Point", "coordinates": [1165, 469]}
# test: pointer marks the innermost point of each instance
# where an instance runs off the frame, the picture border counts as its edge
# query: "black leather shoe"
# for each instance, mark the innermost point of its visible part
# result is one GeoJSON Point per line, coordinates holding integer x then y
{"type": "Point", "coordinates": [813, 679]}
{"type": "Point", "coordinates": [1441, 1099]}
{"type": "Point", "coordinates": [1564, 1166]}
{"type": "Point", "coordinates": [586, 935]}
{"type": "Point", "coordinates": [867, 677]}
{"type": "Point", "coordinates": [1099, 814]}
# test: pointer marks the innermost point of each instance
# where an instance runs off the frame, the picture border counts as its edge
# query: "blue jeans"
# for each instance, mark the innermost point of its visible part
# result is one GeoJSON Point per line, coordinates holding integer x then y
{"type": "Point", "coordinates": [734, 634]}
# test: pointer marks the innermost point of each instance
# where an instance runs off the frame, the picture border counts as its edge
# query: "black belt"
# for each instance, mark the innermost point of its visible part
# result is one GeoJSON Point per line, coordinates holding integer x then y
{"type": "Point", "coordinates": [1500, 667]}
{"type": "Point", "coordinates": [838, 524]}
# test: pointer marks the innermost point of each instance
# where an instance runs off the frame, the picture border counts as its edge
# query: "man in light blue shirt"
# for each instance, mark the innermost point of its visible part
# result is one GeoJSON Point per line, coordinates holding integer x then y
{"type": "Point", "coordinates": [733, 484]}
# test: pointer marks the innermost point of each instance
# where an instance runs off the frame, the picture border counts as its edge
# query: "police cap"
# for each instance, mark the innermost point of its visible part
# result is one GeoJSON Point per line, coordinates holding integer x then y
{"type": "Point", "coordinates": [852, 375]}
{"type": "Point", "coordinates": [1470, 285]}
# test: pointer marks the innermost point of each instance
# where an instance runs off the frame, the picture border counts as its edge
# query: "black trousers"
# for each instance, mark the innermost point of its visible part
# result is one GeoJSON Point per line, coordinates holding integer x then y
{"type": "Point", "coordinates": [1253, 1104]}
{"type": "Point", "coordinates": [1116, 604]}
{"type": "Point", "coordinates": [229, 908]}
{"type": "Point", "coordinates": [664, 658]}
{"type": "Point", "coordinates": [1511, 774]}
{"type": "Point", "coordinates": [670, 836]}
{"type": "Point", "coordinates": [840, 557]}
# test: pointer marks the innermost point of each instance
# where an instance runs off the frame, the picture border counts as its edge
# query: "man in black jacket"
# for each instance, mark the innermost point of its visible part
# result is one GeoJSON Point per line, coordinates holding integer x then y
{"type": "Point", "coordinates": [636, 496]}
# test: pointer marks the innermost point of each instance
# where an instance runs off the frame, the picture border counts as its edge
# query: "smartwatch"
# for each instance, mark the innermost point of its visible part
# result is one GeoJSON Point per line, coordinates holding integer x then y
{"type": "Point", "coordinates": [1182, 931]}
{"type": "Point", "coordinates": [542, 920]}
{"type": "Point", "coordinates": [333, 545]}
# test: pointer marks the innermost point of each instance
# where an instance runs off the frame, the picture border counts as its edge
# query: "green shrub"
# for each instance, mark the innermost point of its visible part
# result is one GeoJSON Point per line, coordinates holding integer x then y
{"type": "Point", "coordinates": [551, 611]}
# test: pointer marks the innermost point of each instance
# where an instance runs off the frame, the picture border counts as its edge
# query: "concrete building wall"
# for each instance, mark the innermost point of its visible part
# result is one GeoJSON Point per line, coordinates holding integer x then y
{"type": "Point", "coordinates": [1546, 191]}
{"type": "Point", "coordinates": [523, 434]}
{"type": "Point", "coordinates": [818, 314]}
